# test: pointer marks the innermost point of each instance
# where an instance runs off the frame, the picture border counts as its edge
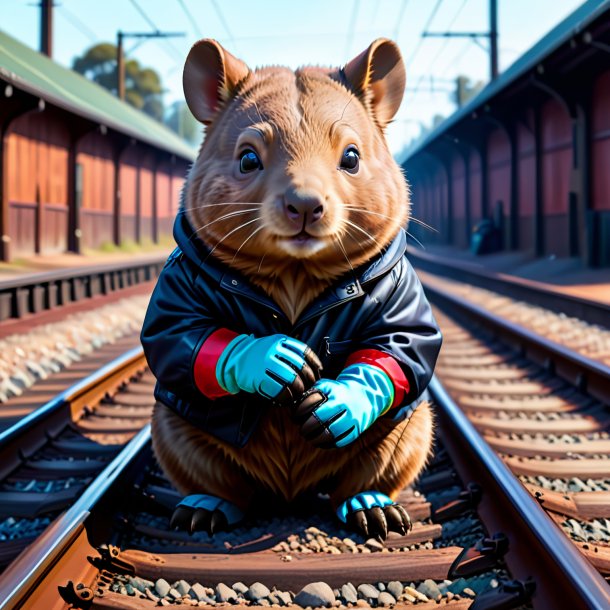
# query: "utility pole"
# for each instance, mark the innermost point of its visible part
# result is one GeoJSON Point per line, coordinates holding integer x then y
{"type": "Point", "coordinates": [120, 66]}
{"type": "Point", "coordinates": [46, 27]}
{"type": "Point", "coordinates": [492, 35]}
{"type": "Point", "coordinates": [493, 38]}
{"type": "Point", "coordinates": [120, 55]}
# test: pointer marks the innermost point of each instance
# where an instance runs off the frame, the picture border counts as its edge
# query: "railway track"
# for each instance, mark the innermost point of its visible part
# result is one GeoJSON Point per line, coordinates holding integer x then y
{"type": "Point", "coordinates": [540, 405]}
{"type": "Point", "coordinates": [474, 543]}
{"type": "Point", "coordinates": [479, 540]}
{"type": "Point", "coordinates": [50, 456]}
{"type": "Point", "coordinates": [520, 289]}
{"type": "Point", "coordinates": [45, 390]}
{"type": "Point", "coordinates": [78, 562]}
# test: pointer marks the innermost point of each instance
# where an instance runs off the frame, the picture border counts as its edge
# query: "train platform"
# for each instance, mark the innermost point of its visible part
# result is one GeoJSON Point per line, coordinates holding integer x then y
{"type": "Point", "coordinates": [22, 268]}
{"type": "Point", "coordinates": [563, 275]}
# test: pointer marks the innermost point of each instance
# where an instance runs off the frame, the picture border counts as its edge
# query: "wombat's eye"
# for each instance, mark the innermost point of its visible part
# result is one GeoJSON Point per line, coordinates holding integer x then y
{"type": "Point", "coordinates": [249, 161]}
{"type": "Point", "coordinates": [350, 160]}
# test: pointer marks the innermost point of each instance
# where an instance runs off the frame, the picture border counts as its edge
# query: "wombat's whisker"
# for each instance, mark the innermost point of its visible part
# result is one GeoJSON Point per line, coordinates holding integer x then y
{"type": "Point", "coordinates": [243, 243]}
{"type": "Point", "coordinates": [225, 216]}
{"type": "Point", "coordinates": [423, 224]}
{"type": "Point", "coordinates": [411, 219]}
{"type": "Point", "coordinates": [340, 243]}
{"type": "Point", "coordinates": [352, 224]}
{"type": "Point", "coordinates": [354, 238]}
{"type": "Point", "coordinates": [415, 239]}
{"type": "Point", "coordinates": [261, 263]}
{"type": "Point", "coordinates": [245, 224]}
{"type": "Point", "coordinates": [211, 205]}
{"type": "Point", "coordinates": [363, 211]}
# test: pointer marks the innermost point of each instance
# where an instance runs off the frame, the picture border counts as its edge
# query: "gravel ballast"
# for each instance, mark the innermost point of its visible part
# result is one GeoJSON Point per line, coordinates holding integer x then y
{"type": "Point", "coordinates": [26, 358]}
{"type": "Point", "coordinates": [313, 595]}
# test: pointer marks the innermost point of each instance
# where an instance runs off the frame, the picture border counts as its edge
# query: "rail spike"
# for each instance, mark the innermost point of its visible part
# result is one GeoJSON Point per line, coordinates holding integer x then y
{"type": "Point", "coordinates": [110, 560]}
{"type": "Point", "coordinates": [487, 553]}
{"type": "Point", "coordinates": [510, 594]}
{"type": "Point", "coordinates": [466, 501]}
{"type": "Point", "coordinates": [78, 596]}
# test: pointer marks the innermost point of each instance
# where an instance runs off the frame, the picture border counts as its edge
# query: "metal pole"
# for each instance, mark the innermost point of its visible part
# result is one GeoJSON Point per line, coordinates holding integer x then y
{"type": "Point", "coordinates": [120, 66]}
{"type": "Point", "coordinates": [493, 39]}
{"type": "Point", "coordinates": [46, 27]}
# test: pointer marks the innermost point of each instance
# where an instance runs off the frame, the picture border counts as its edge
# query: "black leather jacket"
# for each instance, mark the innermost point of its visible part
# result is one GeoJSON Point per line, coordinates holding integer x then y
{"type": "Point", "coordinates": [382, 306]}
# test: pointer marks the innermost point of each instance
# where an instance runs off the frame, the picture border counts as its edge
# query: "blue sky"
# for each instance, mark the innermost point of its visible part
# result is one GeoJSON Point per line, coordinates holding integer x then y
{"type": "Point", "coordinates": [309, 32]}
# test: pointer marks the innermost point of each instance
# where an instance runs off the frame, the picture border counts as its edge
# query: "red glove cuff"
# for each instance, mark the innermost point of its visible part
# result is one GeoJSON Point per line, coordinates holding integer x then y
{"type": "Point", "coordinates": [389, 366]}
{"type": "Point", "coordinates": [204, 370]}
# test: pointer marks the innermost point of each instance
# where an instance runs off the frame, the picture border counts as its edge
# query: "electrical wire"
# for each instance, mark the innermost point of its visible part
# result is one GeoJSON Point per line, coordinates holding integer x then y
{"type": "Point", "coordinates": [144, 15]}
{"type": "Point", "coordinates": [425, 29]}
{"type": "Point", "coordinates": [190, 17]}
{"type": "Point", "coordinates": [222, 19]}
{"type": "Point", "coordinates": [178, 56]}
{"type": "Point", "coordinates": [82, 27]}
{"type": "Point", "coordinates": [439, 52]}
{"type": "Point", "coordinates": [401, 13]}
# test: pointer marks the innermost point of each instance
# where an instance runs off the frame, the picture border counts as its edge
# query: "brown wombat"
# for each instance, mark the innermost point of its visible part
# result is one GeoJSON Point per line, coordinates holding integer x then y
{"type": "Point", "coordinates": [289, 335]}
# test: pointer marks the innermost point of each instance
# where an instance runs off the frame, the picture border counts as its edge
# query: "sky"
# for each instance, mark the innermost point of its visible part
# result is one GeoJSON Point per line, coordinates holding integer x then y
{"type": "Point", "coordinates": [322, 32]}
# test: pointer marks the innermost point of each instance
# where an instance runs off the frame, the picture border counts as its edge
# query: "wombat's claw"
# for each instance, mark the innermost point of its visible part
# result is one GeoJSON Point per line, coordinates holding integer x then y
{"type": "Point", "coordinates": [373, 515]}
{"type": "Point", "coordinates": [198, 520]}
{"type": "Point", "coordinates": [398, 519]}
{"type": "Point", "coordinates": [204, 513]}
{"type": "Point", "coordinates": [376, 522]}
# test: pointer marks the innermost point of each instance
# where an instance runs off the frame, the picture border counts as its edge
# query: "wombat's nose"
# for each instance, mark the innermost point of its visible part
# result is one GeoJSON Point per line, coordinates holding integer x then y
{"type": "Point", "coordinates": [303, 207]}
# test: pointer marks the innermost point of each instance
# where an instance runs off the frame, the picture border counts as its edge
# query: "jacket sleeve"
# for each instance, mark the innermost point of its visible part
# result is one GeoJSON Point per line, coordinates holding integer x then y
{"type": "Point", "coordinates": [181, 338]}
{"type": "Point", "coordinates": [403, 327]}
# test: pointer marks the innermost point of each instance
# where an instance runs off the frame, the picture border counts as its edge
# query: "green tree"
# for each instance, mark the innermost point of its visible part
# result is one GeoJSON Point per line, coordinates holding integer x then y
{"type": "Point", "coordinates": [143, 88]}
{"type": "Point", "coordinates": [465, 90]}
{"type": "Point", "coordinates": [180, 119]}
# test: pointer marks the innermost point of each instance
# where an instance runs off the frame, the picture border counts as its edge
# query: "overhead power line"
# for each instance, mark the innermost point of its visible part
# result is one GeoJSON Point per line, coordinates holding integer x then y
{"type": "Point", "coordinates": [421, 38]}
{"type": "Point", "coordinates": [190, 17]}
{"type": "Point", "coordinates": [491, 34]}
{"type": "Point", "coordinates": [439, 52]}
{"type": "Point", "coordinates": [77, 23]}
{"type": "Point", "coordinates": [222, 19]}
{"type": "Point", "coordinates": [143, 14]}
{"type": "Point", "coordinates": [401, 13]}
{"type": "Point", "coordinates": [177, 55]}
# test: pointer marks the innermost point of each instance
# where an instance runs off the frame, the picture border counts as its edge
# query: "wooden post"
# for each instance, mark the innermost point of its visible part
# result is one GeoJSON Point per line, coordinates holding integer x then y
{"type": "Point", "coordinates": [581, 242]}
{"type": "Point", "coordinates": [5, 240]}
{"type": "Point", "coordinates": [74, 231]}
{"type": "Point", "coordinates": [155, 205]}
{"type": "Point", "coordinates": [538, 201]}
{"type": "Point", "coordinates": [138, 202]}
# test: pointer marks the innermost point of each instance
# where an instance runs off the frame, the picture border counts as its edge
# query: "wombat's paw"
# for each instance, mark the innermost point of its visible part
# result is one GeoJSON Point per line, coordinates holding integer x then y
{"type": "Point", "coordinates": [307, 375]}
{"type": "Point", "coordinates": [202, 512]}
{"type": "Point", "coordinates": [373, 515]}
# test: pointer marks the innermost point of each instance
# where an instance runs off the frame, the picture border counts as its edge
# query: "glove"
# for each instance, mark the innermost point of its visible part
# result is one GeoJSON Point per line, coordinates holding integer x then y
{"type": "Point", "coordinates": [277, 367]}
{"type": "Point", "coordinates": [336, 413]}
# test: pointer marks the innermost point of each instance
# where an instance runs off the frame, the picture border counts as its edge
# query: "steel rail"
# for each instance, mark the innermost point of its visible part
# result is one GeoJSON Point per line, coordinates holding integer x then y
{"type": "Point", "coordinates": [28, 570]}
{"type": "Point", "coordinates": [530, 291]}
{"type": "Point", "coordinates": [587, 374]}
{"type": "Point", "coordinates": [573, 578]}
{"type": "Point", "coordinates": [34, 430]}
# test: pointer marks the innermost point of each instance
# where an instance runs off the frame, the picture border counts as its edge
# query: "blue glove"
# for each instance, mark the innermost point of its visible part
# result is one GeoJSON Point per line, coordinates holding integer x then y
{"type": "Point", "coordinates": [277, 367]}
{"type": "Point", "coordinates": [337, 412]}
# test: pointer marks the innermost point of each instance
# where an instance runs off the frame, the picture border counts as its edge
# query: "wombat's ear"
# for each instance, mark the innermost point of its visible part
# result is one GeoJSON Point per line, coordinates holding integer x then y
{"type": "Point", "coordinates": [378, 77]}
{"type": "Point", "coordinates": [210, 78]}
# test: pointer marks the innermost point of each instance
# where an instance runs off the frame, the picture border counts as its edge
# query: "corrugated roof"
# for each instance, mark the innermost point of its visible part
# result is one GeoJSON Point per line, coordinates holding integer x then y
{"type": "Point", "coordinates": [33, 72]}
{"type": "Point", "coordinates": [561, 33]}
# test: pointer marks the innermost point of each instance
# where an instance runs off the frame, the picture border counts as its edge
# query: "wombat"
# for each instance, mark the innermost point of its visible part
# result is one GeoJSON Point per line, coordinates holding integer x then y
{"type": "Point", "coordinates": [290, 336]}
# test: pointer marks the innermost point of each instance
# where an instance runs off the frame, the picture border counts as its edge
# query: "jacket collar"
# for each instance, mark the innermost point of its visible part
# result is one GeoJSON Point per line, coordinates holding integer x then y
{"type": "Point", "coordinates": [346, 288]}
